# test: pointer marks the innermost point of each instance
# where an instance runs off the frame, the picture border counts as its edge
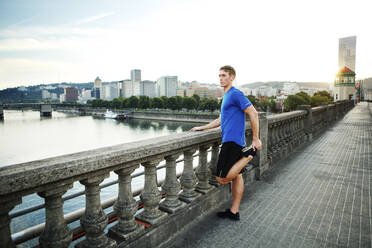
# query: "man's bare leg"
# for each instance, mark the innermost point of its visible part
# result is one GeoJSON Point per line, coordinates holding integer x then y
{"type": "Point", "coordinates": [235, 170]}
{"type": "Point", "coordinates": [237, 189]}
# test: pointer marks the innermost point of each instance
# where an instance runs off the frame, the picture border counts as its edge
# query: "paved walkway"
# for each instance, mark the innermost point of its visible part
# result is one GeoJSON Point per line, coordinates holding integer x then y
{"type": "Point", "coordinates": [319, 197]}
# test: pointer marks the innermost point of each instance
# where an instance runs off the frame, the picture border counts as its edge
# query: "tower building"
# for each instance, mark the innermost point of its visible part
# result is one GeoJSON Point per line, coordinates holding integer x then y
{"type": "Point", "coordinates": [97, 83]}
{"type": "Point", "coordinates": [344, 84]}
{"type": "Point", "coordinates": [346, 52]}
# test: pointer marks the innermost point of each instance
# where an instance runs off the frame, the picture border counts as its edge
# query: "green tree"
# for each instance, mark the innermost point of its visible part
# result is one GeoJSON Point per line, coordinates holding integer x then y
{"type": "Point", "coordinates": [212, 104]}
{"type": "Point", "coordinates": [98, 103]}
{"type": "Point", "coordinates": [179, 101]}
{"type": "Point", "coordinates": [219, 103]}
{"type": "Point", "coordinates": [144, 102]}
{"type": "Point", "coordinates": [133, 102]}
{"type": "Point", "coordinates": [305, 96]}
{"type": "Point", "coordinates": [189, 103]}
{"type": "Point", "coordinates": [117, 103]}
{"type": "Point", "coordinates": [325, 94]}
{"type": "Point", "coordinates": [125, 103]}
{"type": "Point", "coordinates": [173, 103]}
{"type": "Point", "coordinates": [293, 101]}
{"type": "Point", "coordinates": [157, 102]}
{"type": "Point", "coordinates": [318, 100]}
{"type": "Point", "coordinates": [197, 99]}
{"type": "Point", "coordinates": [252, 99]}
{"type": "Point", "coordinates": [266, 104]}
{"type": "Point", "coordinates": [165, 101]}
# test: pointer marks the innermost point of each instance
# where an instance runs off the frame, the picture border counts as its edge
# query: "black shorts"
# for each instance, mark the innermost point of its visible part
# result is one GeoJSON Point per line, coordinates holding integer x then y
{"type": "Point", "coordinates": [230, 154]}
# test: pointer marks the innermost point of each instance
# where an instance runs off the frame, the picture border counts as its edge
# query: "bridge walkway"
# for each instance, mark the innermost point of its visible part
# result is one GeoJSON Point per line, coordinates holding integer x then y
{"type": "Point", "coordinates": [319, 197]}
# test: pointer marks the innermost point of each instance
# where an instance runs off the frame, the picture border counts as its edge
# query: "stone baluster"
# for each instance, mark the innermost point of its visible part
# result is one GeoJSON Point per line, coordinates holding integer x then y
{"type": "Point", "coordinates": [6, 205]}
{"type": "Point", "coordinates": [285, 143]}
{"type": "Point", "coordinates": [308, 122]}
{"type": "Point", "coordinates": [287, 135]}
{"type": "Point", "coordinates": [297, 131]}
{"type": "Point", "coordinates": [213, 164]}
{"type": "Point", "coordinates": [277, 134]}
{"type": "Point", "coordinates": [94, 219]}
{"type": "Point", "coordinates": [262, 163]}
{"type": "Point", "coordinates": [292, 134]}
{"type": "Point", "coordinates": [275, 146]}
{"type": "Point", "coordinates": [270, 141]}
{"type": "Point", "coordinates": [171, 187]}
{"type": "Point", "coordinates": [126, 207]}
{"type": "Point", "coordinates": [151, 195]}
{"type": "Point", "coordinates": [325, 117]}
{"type": "Point", "coordinates": [202, 172]}
{"type": "Point", "coordinates": [281, 150]}
{"type": "Point", "coordinates": [188, 178]}
{"type": "Point", "coordinates": [337, 111]}
{"type": "Point", "coordinates": [56, 233]}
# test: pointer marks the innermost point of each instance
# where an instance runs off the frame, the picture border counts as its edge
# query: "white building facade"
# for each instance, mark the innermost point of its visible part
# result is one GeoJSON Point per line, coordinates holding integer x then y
{"type": "Point", "coordinates": [167, 86]}
{"type": "Point", "coordinates": [148, 88]}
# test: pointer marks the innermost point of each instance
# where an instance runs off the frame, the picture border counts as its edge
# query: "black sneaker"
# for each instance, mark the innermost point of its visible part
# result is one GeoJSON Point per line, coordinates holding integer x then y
{"type": "Point", "coordinates": [228, 214]}
{"type": "Point", "coordinates": [248, 151]}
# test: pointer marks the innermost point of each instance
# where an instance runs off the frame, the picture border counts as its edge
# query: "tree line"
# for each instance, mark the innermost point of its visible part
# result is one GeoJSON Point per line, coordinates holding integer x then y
{"type": "Point", "coordinates": [144, 102]}
{"type": "Point", "coordinates": [211, 104]}
{"type": "Point", "coordinates": [302, 98]}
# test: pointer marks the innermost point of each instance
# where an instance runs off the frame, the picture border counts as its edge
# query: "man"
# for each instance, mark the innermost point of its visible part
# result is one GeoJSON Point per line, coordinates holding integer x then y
{"type": "Point", "coordinates": [234, 155]}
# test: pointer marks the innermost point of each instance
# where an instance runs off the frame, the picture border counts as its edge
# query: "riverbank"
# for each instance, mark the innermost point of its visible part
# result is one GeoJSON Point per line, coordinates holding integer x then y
{"type": "Point", "coordinates": [155, 115]}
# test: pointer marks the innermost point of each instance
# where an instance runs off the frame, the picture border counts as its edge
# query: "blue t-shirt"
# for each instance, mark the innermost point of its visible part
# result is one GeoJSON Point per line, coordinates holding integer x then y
{"type": "Point", "coordinates": [233, 117]}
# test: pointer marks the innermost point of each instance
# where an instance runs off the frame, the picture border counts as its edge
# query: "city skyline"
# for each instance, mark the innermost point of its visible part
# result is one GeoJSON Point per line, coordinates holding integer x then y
{"type": "Point", "coordinates": [47, 42]}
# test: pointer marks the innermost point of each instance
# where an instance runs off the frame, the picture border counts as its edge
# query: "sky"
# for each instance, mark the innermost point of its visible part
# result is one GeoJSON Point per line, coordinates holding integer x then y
{"type": "Point", "coordinates": [43, 41]}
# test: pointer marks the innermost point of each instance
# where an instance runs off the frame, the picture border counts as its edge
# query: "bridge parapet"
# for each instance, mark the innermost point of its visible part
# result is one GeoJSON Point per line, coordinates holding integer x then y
{"type": "Point", "coordinates": [51, 178]}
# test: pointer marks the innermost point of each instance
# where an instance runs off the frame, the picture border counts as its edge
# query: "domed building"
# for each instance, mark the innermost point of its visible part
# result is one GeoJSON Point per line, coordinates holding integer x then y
{"type": "Point", "coordinates": [344, 84]}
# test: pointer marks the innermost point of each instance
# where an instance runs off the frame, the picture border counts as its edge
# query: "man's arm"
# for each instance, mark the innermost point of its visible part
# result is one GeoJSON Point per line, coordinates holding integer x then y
{"type": "Point", "coordinates": [212, 124]}
{"type": "Point", "coordinates": [253, 117]}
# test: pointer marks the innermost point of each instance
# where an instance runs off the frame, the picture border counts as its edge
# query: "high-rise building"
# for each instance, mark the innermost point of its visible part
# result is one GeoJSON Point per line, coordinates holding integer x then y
{"type": "Point", "coordinates": [135, 75]}
{"type": "Point", "coordinates": [97, 83]}
{"type": "Point", "coordinates": [346, 53]}
{"type": "Point", "coordinates": [147, 88]}
{"type": "Point", "coordinates": [167, 86]}
{"type": "Point", "coordinates": [127, 88]}
{"type": "Point", "coordinates": [136, 88]}
{"type": "Point", "coordinates": [71, 94]}
{"type": "Point", "coordinates": [96, 92]}
{"type": "Point", "coordinates": [110, 92]}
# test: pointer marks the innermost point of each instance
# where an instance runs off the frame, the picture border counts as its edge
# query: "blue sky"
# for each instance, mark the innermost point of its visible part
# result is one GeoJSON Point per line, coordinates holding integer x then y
{"type": "Point", "coordinates": [76, 41]}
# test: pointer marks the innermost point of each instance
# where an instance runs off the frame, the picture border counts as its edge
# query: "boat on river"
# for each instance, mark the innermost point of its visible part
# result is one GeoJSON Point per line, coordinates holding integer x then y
{"type": "Point", "coordinates": [112, 115]}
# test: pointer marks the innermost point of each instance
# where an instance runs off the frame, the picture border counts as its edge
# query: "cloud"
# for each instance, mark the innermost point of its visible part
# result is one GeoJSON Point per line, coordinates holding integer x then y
{"type": "Point", "coordinates": [20, 22]}
{"type": "Point", "coordinates": [95, 18]}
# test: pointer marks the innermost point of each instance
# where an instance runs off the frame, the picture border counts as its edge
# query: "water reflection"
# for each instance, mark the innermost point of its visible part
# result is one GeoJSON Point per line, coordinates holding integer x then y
{"type": "Point", "coordinates": [25, 136]}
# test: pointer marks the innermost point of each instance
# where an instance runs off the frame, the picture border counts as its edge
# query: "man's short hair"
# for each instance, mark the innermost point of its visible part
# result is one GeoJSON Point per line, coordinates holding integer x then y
{"type": "Point", "coordinates": [229, 69]}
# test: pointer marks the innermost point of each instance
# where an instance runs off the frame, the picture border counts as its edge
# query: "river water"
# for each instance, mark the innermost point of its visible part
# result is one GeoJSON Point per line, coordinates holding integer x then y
{"type": "Point", "coordinates": [25, 136]}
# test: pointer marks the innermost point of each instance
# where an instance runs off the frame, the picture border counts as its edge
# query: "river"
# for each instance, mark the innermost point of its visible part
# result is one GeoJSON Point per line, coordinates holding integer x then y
{"type": "Point", "coordinates": [25, 136]}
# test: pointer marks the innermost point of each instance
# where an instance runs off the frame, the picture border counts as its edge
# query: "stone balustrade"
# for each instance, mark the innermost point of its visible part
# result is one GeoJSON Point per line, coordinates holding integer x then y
{"type": "Point", "coordinates": [195, 193]}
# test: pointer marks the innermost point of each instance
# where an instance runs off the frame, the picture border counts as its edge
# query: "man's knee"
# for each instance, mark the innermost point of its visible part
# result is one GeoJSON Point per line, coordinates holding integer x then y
{"type": "Point", "coordinates": [238, 178]}
{"type": "Point", "coordinates": [221, 180]}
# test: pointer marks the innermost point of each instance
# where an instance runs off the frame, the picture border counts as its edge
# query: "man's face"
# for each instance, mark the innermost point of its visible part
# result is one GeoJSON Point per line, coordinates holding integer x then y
{"type": "Point", "coordinates": [225, 78]}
